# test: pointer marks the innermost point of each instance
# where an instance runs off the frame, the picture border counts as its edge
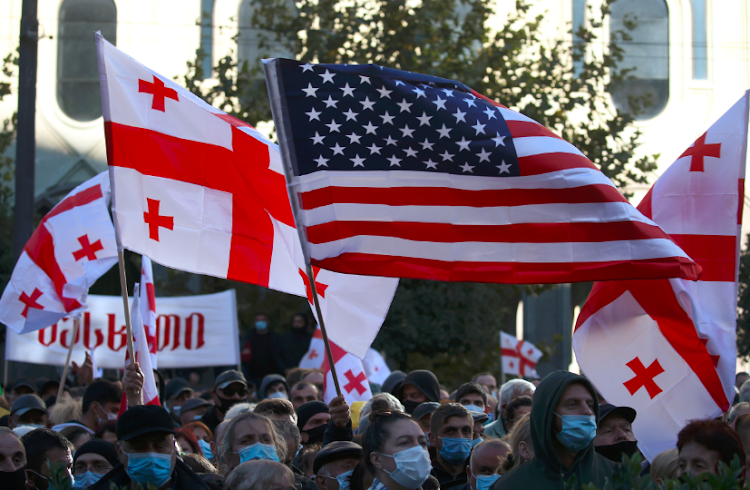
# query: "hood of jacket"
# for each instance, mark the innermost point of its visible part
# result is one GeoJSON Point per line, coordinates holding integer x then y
{"type": "Point", "coordinates": [546, 397]}
{"type": "Point", "coordinates": [267, 381]}
{"type": "Point", "coordinates": [425, 381]}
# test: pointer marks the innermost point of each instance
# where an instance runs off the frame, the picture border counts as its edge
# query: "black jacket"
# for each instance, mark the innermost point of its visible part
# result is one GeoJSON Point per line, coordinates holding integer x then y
{"type": "Point", "coordinates": [211, 418]}
{"type": "Point", "coordinates": [183, 478]}
{"type": "Point", "coordinates": [446, 479]}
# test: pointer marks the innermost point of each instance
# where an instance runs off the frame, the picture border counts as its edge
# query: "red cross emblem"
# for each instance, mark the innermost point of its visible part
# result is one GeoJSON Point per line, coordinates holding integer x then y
{"type": "Point", "coordinates": [526, 365]}
{"type": "Point", "coordinates": [30, 302]}
{"type": "Point", "coordinates": [644, 377]}
{"type": "Point", "coordinates": [313, 354]}
{"type": "Point", "coordinates": [154, 220]}
{"type": "Point", "coordinates": [320, 288]}
{"type": "Point", "coordinates": [87, 250]}
{"type": "Point", "coordinates": [355, 383]}
{"type": "Point", "coordinates": [699, 150]}
{"type": "Point", "coordinates": [159, 91]}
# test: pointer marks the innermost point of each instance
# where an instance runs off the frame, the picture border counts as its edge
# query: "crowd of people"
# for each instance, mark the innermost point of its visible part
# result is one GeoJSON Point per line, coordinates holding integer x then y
{"type": "Point", "coordinates": [412, 434]}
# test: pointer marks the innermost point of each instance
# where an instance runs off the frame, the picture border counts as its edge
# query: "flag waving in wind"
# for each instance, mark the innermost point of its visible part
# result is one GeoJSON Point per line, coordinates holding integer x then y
{"type": "Point", "coordinates": [519, 357]}
{"type": "Point", "coordinates": [148, 306]}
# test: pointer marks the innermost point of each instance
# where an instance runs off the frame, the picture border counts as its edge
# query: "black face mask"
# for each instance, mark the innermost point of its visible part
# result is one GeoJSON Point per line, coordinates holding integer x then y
{"type": "Point", "coordinates": [410, 405]}
{"type": "Point", "coordinates": [227, 403]}
{"type": "Point", "coordinates": [13, 480]}
{"type": "Point", "coordinates": [316, 434]}
{"type": "Point", "coordinates": [614, 452]}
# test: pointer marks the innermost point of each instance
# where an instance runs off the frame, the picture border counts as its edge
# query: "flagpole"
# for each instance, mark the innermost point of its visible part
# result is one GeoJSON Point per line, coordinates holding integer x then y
{"type": "Point", "coordinates": [322, 323]}
{"type": "Point", "coordinates": [126, 307]}
{"type": "Point", "coordinates": [76, 324]}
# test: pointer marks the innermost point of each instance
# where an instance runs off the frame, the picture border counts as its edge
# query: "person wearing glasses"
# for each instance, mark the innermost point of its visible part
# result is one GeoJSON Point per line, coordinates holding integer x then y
{"type": "Point", "coordinates": [230, 388]}
{"type": "Point", "coordinates": [395, 452]}
{"type": "Point", "coordinates": [92, 461]}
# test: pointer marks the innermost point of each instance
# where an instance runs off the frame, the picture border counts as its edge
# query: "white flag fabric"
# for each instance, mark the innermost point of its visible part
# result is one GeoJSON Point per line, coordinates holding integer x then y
{"type": "Point", "coordinates": [148, 306]}
{"type": "Point", "coordinates": [667, 347]}
{"type": "Point", "coordinates": [142, 352]}
{"type": "Point", "coordinates": [375, 367]}
{"type": "Point", "coordinates": [71, 248]}
{"type": "Point", "coordinates": [313, 359]}
{"type": "Point", "coordinates": [351, 376]}
{"type": "Point", "coordinates": [519, 357]}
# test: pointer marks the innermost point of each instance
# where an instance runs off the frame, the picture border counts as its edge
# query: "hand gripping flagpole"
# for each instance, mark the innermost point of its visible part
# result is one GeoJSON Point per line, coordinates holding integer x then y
{"type": "Point", "coordinates": [281, 122]}
{"type": "Point", "coordinates": [76, 325]}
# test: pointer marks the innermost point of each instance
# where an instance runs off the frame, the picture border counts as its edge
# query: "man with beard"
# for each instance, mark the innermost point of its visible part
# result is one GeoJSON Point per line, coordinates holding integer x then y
{"type": "Point", "coordinates": [230, 388]}
{"type": "Point", "coordinates": [418, 387]}
{"type": "Point", "coordinates": [614, 433]}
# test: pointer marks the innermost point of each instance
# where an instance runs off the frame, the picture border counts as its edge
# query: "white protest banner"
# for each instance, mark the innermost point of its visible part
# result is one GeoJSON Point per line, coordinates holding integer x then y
{"type": "Point", "coordinates": [191, 331]}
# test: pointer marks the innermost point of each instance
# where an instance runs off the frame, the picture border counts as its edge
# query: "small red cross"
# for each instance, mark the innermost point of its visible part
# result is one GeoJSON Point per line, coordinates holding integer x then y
{"type": "Point", "coordinates": [355, 383]}
{"type": "Point", "coordinates": [159, 92]}
{"type": "Point", "coordinates": [320, 288]}
{"type": "Point", "coordinates": [88, 250]}
{"type": "Point", "coordinates": [30, 302]}
{"type": "Point", "coordinates": [313, 354]}
{"type": "Point", "coordinates": [644, 377]}
{"type": "Point", "coordinates": [699, 150]}
{"type": "Point", "coordinates": [154, 220]}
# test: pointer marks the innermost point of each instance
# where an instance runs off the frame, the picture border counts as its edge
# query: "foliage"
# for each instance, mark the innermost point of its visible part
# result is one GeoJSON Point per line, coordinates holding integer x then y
{"type": "Point", "coordinates": [743, 305]}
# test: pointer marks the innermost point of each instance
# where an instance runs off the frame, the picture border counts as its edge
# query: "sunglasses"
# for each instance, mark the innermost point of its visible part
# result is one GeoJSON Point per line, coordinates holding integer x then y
{"type": "Point", "coordinates": [232, 391]}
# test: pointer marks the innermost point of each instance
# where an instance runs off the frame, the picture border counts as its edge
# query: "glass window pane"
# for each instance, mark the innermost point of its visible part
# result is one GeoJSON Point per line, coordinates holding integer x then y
{"type": "Point", "coordinates": [700, 47]}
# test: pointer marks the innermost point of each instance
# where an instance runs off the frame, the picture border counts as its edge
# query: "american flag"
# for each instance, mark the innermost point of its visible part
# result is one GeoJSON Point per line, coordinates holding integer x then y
{"type": "Point", "coordinates": [401, 174]}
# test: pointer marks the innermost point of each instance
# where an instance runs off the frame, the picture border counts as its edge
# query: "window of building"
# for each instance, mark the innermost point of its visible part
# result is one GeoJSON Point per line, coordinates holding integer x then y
{"type": "Point", "coordinates": [77, 67]}
{"type": "Point", "coordinates": [250, 39]}
{"type": "Point", "coordinates": [579, 17]}
{"type": "Point", "coordinates": [647, 52]}
{"type": "Point", "coordinates": [700, 40]}
{"type": "Point", "coordinates": [207, 21]}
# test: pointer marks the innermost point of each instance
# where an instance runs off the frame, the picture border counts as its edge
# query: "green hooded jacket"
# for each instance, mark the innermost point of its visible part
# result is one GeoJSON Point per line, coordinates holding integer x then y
{"type": "Point", "coordinates": [546, 471]}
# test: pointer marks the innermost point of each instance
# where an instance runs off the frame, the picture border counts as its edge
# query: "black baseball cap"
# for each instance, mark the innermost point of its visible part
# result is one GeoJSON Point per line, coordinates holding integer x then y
{"type": "Point", "coordinates": [23, 382]}
{"type": "Point", "coordinates": [176, 386]}
{"type": "Point", "coordinates": [334, 451]}
{"type": "Point", "coordinates": [228, 377]}
{"type": "Point", "coordinates": [193, 403]}
{"type": "Point", "coordinates": [607, 409]}
{"type": "Point", "coordinates": [25, 403]}
{"type": "Point", "coordinates": [143, 419]}
{"type": "Point", "coordinates": [424, 409]}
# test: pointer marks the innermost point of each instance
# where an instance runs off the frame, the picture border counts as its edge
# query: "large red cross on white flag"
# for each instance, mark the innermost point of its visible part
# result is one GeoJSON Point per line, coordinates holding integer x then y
{"type": "Point", "coordinates": [196, 189]}
{"type": "Point", "coordinates": [666, 347]}
{"type": "Point", "coordinates": [71, 248]}
{"type": "Point", "coordinates": [519, 356]}
{"type": "Point", "coordinates": [351, 376]}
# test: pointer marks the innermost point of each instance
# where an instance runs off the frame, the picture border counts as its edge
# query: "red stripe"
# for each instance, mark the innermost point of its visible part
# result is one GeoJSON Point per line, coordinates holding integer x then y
{"type": "Point", "coordinates": [522, 129]}
{"type": "Point", "coordinates": [442, 196]}
{"type": "Point", "coordinates": [552, 162]}
{"type": "Point", "coordinates": [508, 272]}
{"type": "Point", "coordinates": [716, 254]}
{"type": "Point", "coordinates": [496, 104]}
{"type": "Point", "coordinates": [515, 233]}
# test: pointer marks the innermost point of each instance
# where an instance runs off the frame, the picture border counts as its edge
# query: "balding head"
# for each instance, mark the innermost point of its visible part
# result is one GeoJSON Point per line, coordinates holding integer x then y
{"type": "Point", "coordinates": [12, 452]}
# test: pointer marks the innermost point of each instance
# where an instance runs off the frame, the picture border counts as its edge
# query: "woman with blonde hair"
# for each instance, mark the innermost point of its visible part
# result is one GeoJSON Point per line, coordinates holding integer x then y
{"type": "Point", "coordinates": [249, 437]}
{"type": "Point", "coordinates": [522, 449]}
{"type": "Point", "coordinates": [64, 411]}
{"type": "Point", "coordinates": [260, 475]}
{"type": "Point", "coordinates": [665, 466]}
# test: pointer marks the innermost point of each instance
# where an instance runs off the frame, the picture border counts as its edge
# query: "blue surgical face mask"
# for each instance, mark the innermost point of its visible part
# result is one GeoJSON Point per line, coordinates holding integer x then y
{"type": "Point", "coordinates": [343, 480]}
{"type": "Point", "coordinates": [258, 451]}
{"type": "Point", "coordinates": [484, 482]}
{"type": "Point", "coordinates": [206, 448]}
{"type": "Point", "coordinates": [145, 468]}
{"type": "Point", "coordinates": [427, 436]}
{"type": "Point", "coordinates": [261, 325]}
{"type": "Point", "coordinates": [577, 431]}
{"type": "Point", "coordinates": [176, 410]}
{"type": "Point", "coordinates": [455, 450]}
{"type": "Point", "coordinates": [278, 394]}
{"type": "Point", "coordinates": [475, 442]}
{"type": "Point", "coordinates": [87, 479]}
{"type": "Point", "coordinates": [198, 417]}
{"type": "Point", "coordinates": [474, 408]}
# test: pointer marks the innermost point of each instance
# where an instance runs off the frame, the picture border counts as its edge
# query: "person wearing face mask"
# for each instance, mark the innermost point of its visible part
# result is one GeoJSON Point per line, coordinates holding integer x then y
{"type": "Point", "coordinates": [395, 452]}
{"type": "Point", "coordinates": [44, 446]}
{"type": "Point", "coordinates": [563, 426]}
{"type": "Point", "coordinates": [484, 464]}
{"type": "Point", "coordinates": [92, 461]}
{"type": "Point", "coordinates": [265, 348]}
{"type": "Point", "coordinates": [334, 464]}
{"type": "Point", "coordinates": [451, 434]}
{"type": "Point", "coordinates": [147, 455]}
{"type": "Point", "coordinates": [423, 416]}
{"type": "Point", "coordinates": [273, 386]}
{"type": "Point", "coordinates": [249, 437]}
{"type": "Point", "coordinates": [230, 387]}
{"type": "Point", "coordinates": [12, 461]}
{"type": "Point", "coordinates": [28, 410]}
{"type": "Point", "coordinates": [193, 410]}
{"type": "Point", "coordinates": [297, 341]}
{"type": "Point", "coordinates": [418, 387]}
{"type": "Point", "coordinates": [312, 421]}
{"type": "Point", "coordinates": [178, 391]}
{"type": "Point", "coordinates": [614, 433]}
{"type": "Point", "coordinates": [101, 402]}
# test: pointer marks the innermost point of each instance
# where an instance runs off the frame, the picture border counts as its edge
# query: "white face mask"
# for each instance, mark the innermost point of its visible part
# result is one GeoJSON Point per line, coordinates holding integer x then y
{"type": "Point", "coordinates": [110, 416]}
{"type": "Point", "coordinates": [413, 467]}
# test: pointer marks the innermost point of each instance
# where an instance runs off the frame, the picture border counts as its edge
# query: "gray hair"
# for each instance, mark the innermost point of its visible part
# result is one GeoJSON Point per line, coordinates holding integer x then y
{"type": "Point", "coordinates": [745, 391]}
{"type": "Point", "coordinates": [513, 389]}
{"type": "Point", "coordinates": [224, 450]}
{"type": "Point", "coordinates": [287, 428]}
{"type": "Point", "coordinates": [257, 475]}
{"type": "Point", "coordinates": [393, 404]}
{"type": "Point", "coordinates": [239, 408]}
{"type": "Point", "coordinates": [735, 411]}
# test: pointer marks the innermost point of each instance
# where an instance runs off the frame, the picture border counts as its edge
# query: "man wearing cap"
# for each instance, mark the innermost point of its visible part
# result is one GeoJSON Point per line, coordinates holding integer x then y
{"type": "Point", "coordinates": [178, 391]}
{"type": "Point", "coordinates": [28, 410]}
{"type": "Point", "coordinates": [12, 461]}
{"type": "Point", "coordinates": [92, 461]}
{"type": "Point", "coordinates": [147, 454]}
{"type": "Point", "coordinates": [423, 415]}
{"type": "Point", "coordinates": [273, 386]}
{"type": "Point", "coordinates": [334, 464]}
{"type": "Point", "coordinates": [22, 386]}
{"type": "Point", "coordinates": [193, 409]}
{"type": "Point", "coordinates": [614, 433]}
{"type": "Point", "coordinates": [230, 388]}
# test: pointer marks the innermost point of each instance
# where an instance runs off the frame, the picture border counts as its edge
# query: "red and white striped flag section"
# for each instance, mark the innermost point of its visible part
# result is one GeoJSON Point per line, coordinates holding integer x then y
{"type": "Point", "coordinates": [519, 357]}
{"type": "Point", "coordinates": [667, 347]}
{"type": "Point", "coordinates": [351, 375]}
{"type": "Point", "coordinates": [142, 354]}
{"type": "Point", "coordinates": [71, 248]}
{"type": "Point", "coordinates": [148, 306]}
{"type": "Point", "coordinates": [196, 189]}
{"type": "Point", "coordinates": [408, 175]}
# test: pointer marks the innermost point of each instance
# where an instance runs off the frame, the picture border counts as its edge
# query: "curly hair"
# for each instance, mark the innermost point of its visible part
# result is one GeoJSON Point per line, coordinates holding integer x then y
{"type": "Point", "coordinates": [714, 435]}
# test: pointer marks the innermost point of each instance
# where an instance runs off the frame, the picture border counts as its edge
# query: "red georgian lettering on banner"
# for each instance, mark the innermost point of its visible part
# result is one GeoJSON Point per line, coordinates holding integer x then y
{"type": "Point", "coordinates": [113, 333]}
{"type": "Point", "coordinates": [52, 335]}
{"type": "Point", "coordinates": [200, 325]}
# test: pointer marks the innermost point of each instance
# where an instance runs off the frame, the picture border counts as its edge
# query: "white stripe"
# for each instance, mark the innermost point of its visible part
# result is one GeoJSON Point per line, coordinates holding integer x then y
{"type": "Point", "coordinates": [382, 179]}
{"type": "Point", "coordinates": [466, 215]}
{"type": "Point", "coordinates": [510, 115]}
{"type": "Point", "coordinates": [538, 145]}
{"type": "Point", "coordinates": [501, 252]}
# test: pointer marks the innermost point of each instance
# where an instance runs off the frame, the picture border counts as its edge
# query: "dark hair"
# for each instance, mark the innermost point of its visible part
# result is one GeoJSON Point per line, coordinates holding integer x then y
{"type": "Point", "coordinates": [294, 374]}
{"type": "Point", "coordinates": [197, 424]}
{"type": "Point", "coordinates": [376, 435]}
{"type": "Point", "coordinates": [510, 410]}
{"type": "Point", "coordinates": [471, 387]}
{"type": "Point", "coordinates": [479, 375]}
{"type": "Point", "coordinates": [101, 391]}
{"type": "Point", "coordinates": [301, 385]}
{"type": "Point", "coordinates": [108, 426]}
{"type": "Point", "coordinates": [444, 412]}
{"type": "Point", "coordinates": [714, 435]}
{"type": "Point", "coordinates": [38, 442]}
{"type": "Point", "coordinates": [275, 406]}
{"type": "Point", "coordinates": [191, 439]}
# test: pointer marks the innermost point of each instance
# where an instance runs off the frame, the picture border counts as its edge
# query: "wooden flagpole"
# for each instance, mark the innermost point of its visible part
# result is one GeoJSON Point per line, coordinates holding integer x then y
{"type": "Point", "coordinates": [126, 306]}
{"type": "Point", "coordinates": [76, 325]}
{"type": "Point", "coordinates": [329, 354]}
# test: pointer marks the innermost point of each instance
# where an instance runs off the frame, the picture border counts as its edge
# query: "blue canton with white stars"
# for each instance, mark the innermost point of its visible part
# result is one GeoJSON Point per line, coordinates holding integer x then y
{"type": "Point", "coordinates": [365, 117]}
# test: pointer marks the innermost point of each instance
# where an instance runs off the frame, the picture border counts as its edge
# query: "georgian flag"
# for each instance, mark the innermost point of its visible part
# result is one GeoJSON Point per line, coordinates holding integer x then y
{"type": "Point", "coordinates": [375, 367]}
{"type": "Point", "coordinates": [351, 375]}
{"type": "Point", "coordinates": [313, 358]}
{"type": "Point", "coordinates": [666, 347]}
{"type": "Point", "coordinates": [196, 189]}
{"type": "Point", "coordinates": [519, 357]}
{"type": "Point", "coordinates": [71, 248]}
{"type": "Point", "coordinates": [148, 306]}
